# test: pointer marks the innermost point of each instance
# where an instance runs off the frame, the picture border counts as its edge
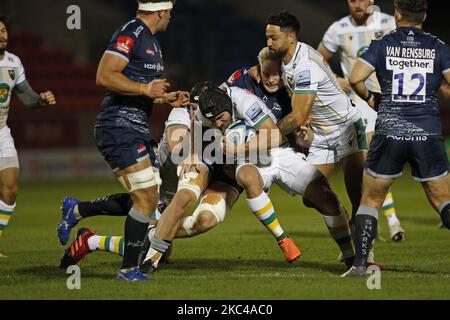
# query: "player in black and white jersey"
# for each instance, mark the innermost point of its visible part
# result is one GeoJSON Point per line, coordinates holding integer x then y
{"type": "Point", "coordinates": [410, 65]}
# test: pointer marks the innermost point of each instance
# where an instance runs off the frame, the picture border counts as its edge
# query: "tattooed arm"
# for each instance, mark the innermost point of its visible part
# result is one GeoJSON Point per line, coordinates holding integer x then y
{"type": "Point", "coordinates": [301, 108]}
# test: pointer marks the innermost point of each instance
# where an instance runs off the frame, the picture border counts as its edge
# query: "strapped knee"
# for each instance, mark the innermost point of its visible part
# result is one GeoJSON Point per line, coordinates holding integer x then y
{"type": "Point", "coordinates": [214, 204]}
{"type": "Point", "coordinates": [142, 179]}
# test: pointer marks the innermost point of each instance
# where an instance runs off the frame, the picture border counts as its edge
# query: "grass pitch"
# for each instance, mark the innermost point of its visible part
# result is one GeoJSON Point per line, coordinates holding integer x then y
{"type": "Point", "coordinates": [237, 260]}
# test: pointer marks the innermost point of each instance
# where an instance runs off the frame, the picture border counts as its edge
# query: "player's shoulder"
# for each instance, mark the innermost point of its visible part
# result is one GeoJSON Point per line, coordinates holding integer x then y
{"type": "Point", "coordinates": [12, 59]}
{"type": "Point", "coordinates": [238, 76]}
{"type": "Point", "coordinates": [132, 28]}
{"type": "Point", "coordinates": [343, 25]}
{"type": "Point", "coordinates": [178, 116]}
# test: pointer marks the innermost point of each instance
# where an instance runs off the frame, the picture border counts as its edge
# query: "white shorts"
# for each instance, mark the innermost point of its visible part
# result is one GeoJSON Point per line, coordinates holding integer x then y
{"type": "Point", "coordinates": [331, 148]}
{"type": "Point", "coordinates": [289, 170]}
{"type": "Point", "coordinates": [8, 152]}
{"type": "Point", "coordinates": [368, 115]}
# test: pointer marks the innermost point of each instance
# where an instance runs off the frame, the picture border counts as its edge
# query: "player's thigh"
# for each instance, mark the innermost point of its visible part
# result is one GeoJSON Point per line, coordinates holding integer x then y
{"type": "Point", "coordinates": [294, 172]}
{"type": "Point", "coordinates": [386, 157]}
{"type": "Point", "coordinates": [428, 158]}
{"type": "Point", "coordinates": [437, 191]}
{"type": "Point", "coordinates": [374, 190]}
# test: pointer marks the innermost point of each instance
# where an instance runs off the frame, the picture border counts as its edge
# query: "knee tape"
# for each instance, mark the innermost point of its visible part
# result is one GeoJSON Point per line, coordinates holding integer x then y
{"type": "Point", "coordinates": [190, 182]}
{"type": "Point", "coordinates": [143, 179]}
{"type": "Point", "coordinates": [219, 209]}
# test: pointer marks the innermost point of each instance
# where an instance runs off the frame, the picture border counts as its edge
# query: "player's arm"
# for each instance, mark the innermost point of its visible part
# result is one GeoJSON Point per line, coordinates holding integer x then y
{"type": "Point", "coordinates": [110, 76]}
{"type": "Point", "coordinates": [268, 137]}
{"type": "Point", "coordinates": [32, 99]}
{"type": "Point", "coordinates": [302, 104]}
{"type": "Point", "coordinates": [177, 99]}
{"type": "Point", "coordinates": [327, 56]}
{"type": "Point", "coordinates": [360, 73]}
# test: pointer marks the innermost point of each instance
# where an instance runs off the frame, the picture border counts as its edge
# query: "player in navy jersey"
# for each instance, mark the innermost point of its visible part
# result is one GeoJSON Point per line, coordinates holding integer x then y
{"type": "Point", "coordinates": [410, 65]}
{"type": "Point", "coordinates": [130, 71]}
{"type": "Point", "coordinates": [264, 80]}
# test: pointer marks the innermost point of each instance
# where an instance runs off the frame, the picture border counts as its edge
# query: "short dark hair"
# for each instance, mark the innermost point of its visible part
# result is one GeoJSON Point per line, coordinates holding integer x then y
{"type": "Point", "coordinates": [412, 10]}
{"type": "Point", "coordinates": [286, 21]}
{"type": "Point", "coordinates": [4, 20]}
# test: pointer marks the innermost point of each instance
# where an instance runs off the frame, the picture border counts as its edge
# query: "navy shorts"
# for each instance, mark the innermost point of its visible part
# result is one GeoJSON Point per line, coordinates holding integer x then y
{"type": "Point", "coordinates": [426, 154]}
{"type": "Point", "coordinates": [123, 147]}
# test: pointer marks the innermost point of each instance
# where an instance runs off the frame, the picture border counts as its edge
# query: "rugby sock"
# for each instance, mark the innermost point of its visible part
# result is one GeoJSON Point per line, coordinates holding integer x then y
{"type": "Point", "coordinates": [111, 205]}
{"type": "Point", "coordinates": [340, 231]}
{"type": "Point", "coordinates": [157, 248]}
{"type": "Point", "coordinates": [389, 209]}
{"type": "Point", "coordinates": [107, 243]}
{"type": "Point", "coordinates": [136, 226]}
{"type": "Point", "coordinates": [366, 221]}
{"type": "Point", "coordinates": [5, 215]}
{"type": "Point", "coordinates": [263, 209]}
{"type": "Point", "coordinates": [444, 211]}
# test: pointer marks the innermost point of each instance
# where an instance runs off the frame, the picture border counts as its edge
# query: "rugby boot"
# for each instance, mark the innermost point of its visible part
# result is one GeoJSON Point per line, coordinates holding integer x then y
{"type": "Point", "coordinates": [78, 250]}
{"type": "Point", "coordinates": [290, 249]}
{"type": "Point", "coordinates": [68, 220]}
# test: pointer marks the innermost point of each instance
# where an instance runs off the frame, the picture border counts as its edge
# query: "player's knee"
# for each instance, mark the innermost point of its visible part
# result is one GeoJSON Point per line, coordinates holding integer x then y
{"type": "Point", "coordinates": [212, 208]}
{"type": "Point", "coordinates": [248, 177]}
{"type": "Point", "coordinates": [205, 220]}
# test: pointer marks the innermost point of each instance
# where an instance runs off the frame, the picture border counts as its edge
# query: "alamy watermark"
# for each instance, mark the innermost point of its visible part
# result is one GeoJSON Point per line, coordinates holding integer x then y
{"type": "Point", "coordinates": [74, 280]}
{"type": "Point", "coordinates": [73, 21]}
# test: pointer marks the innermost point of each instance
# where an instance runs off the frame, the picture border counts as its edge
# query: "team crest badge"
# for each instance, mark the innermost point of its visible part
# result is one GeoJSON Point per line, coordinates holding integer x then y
{"type": "Point", "coordinates": [12, 74]}
{"type": "Point", "coordinates": [379, 35]}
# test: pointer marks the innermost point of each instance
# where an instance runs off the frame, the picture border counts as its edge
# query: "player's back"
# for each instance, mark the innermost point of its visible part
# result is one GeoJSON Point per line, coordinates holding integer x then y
{"type": "Point", "coordinates": [409, 64]}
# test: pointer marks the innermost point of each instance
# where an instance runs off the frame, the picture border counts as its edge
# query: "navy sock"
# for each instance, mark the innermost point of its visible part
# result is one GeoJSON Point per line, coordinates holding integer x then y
{"type": "Point", "coordinates": [111, 205]}
{"type": "Point", "coordinates": [366, 221]}
{"type": "Point", "coordinates": [445, 214]}
{"type": "Point", "coordinates": [135, 231]}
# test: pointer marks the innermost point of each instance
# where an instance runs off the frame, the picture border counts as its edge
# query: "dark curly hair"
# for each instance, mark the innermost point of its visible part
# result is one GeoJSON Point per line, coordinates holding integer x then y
{"type": "Point", "coordinates": [4, 20]}
{"type": "Point", "coordinates": [286, 21]}
{"type": "Point", "coordinates": [412, 10]}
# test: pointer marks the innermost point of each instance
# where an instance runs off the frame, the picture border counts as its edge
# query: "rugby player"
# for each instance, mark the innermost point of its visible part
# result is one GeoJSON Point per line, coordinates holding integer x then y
{"type": "Point", "coordinates": [350, 37]}
{"type": "Point", "coordinates": [270, 89]}
{"type": "Point", "coordinates": [130, 71]}
{"type": "Point", "coordinates": [12, 79]}
{"type": "Point", "coordinates": [410, 65]}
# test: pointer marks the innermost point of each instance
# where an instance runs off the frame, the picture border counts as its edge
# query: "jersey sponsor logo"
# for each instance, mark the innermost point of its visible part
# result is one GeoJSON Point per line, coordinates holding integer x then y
{"type": "Point", "coordinates": [10, 59]}
{"type": "Point", "coordinates": [138, 31]}
{"type": "Point", "coordinates": [124, 44]}
{"type": "Point", "coordinates": [303, 79]}
{"type": "Point", "coordinates": [154, 66]}
{"type": "Point", "coordinates": [254, 111]}
{"type": "Point", "coordinates": [150, 51]}
{"type": "Point", "coordinates": [412, 138]}
{"type": "Point", "coordinates": [4, 92]}
{"type": "Point", "coordinates": [12, 74]}
{"type": "Point", "coordinates": [236, 75]}
{"type": "Point", "coordinates": [141, 148]}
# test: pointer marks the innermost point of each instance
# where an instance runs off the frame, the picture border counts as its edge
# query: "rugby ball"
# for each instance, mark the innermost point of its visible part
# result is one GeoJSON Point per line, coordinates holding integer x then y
{"type": "Point", "coordinates": [240, 132]}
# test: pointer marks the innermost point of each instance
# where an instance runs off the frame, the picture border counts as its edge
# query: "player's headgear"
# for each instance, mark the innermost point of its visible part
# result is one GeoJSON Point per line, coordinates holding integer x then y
{"type": "Point", "coordinates": [153, 6]}
{"type": "Point", "coordinates": [211, 99]}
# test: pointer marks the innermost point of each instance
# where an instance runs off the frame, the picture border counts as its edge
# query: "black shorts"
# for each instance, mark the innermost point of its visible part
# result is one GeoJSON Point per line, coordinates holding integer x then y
{"type": "Point", "coordinates": [426, 154]}
{"type": "Point", "coordinates": [225, 173]}
{"type": "Point", "coordinates": [123, 147]}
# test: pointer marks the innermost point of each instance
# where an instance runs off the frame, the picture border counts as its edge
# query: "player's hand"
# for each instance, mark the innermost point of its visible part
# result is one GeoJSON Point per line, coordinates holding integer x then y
{"type": "Point", "coordinates": [344, 84]}
{"type": "Point", "coordinates": [305, 136]}
{"type": "Point", "coordinates": [177, 99]}
{"type": "Point", "coordinates": [155, 89]}
{"type": "Point", "coordinates": [48, 97]}
{"type": "Point", "coordinates": [374, 100]}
